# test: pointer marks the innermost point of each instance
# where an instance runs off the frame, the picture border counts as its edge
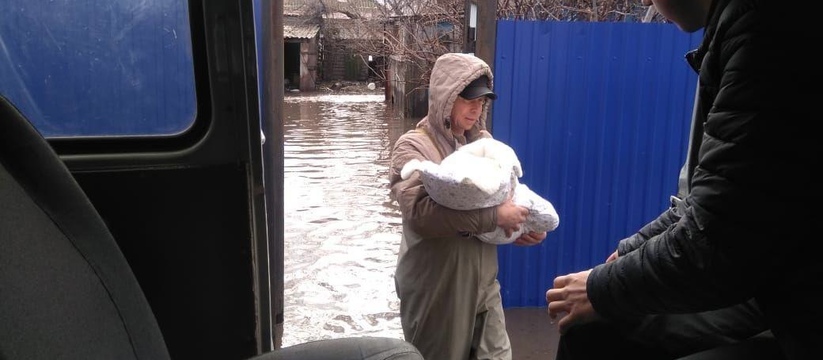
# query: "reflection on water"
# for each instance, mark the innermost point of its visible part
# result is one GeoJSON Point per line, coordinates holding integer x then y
{"type": "Point", "coordinates": [342, 233]}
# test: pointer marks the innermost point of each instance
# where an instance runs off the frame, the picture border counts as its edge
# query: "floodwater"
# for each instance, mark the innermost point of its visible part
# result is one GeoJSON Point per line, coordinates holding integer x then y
{"type": "Point", "coordinates": [342, 233]}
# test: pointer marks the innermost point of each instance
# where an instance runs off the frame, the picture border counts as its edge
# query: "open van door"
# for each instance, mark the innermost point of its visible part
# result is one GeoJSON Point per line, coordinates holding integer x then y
{"type": "Point", "coordinates": [154, 107]}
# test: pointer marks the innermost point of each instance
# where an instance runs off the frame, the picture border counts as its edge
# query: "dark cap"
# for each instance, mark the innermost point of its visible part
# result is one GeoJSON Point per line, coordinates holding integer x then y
{"type": "Point", "coordinates": [477, 88]}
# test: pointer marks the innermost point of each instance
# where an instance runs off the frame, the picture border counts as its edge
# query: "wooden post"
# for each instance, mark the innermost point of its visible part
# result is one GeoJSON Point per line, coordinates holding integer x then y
{"type": "Point", "coordinates": [271, 301]}
{"type": "Point", "coordinates": [486, 37]}
{"type": "Point", "coordinates": [486, 31]}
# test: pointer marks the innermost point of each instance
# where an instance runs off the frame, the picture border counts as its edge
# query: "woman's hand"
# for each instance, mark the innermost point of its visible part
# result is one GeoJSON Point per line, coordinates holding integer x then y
{"type": "Point", "coordinates": [530, 238]}
{"type": "Point", "coordinates": [510, 216]}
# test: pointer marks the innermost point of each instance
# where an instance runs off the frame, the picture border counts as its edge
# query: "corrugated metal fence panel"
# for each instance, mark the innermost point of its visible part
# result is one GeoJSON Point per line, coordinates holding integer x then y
{"type": "Point", "coordinates": [599, 116]}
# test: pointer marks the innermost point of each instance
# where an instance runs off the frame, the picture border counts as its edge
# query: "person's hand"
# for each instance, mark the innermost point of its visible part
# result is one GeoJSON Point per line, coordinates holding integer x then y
{"type": "Point", "coordinates": [530, 238]}
{"type": "Point", "coordinates": [612, 257]}
{"type": "Point", "coordinates": [510, 216]}
{"type": "Point", "coordinates": [569, 297]}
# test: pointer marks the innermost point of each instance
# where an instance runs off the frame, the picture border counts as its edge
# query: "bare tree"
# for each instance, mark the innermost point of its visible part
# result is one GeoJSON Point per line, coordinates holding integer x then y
{"type": "Point", "coordinates": [571, 10]}
{"type": "Point", "coordinates": [416, 32]}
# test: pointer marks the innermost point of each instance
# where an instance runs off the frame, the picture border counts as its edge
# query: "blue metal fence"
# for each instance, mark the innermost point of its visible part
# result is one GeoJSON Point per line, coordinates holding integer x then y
{"type": "Point", "coordinates": [599, 116]}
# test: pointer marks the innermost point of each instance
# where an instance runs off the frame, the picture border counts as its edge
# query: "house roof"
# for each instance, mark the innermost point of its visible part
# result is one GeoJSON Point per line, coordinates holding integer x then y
{"type": "Point", "coordinates": [306, 31]}
{"type": "Point", "coordinates": [351, 8]}
{"type": "Point", "coordinates": [347, 29]}
{"type": "Point", "coordinates": [298, 7]}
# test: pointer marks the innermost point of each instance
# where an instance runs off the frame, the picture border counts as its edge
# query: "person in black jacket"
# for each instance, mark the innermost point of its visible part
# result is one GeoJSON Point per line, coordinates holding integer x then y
{"type": "Point", "coordinates": [736, 253]}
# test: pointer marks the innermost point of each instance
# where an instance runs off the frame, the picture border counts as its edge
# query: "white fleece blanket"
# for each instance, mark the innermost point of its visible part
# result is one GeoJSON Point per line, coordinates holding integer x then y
{"type": "Point", "coordinates": [542, 217]}
{"type": "Point", "coordinates": [479, 175]}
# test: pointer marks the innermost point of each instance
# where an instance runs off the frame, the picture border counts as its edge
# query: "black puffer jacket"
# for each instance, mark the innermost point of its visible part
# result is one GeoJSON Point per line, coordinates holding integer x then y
{"type": "Point", "coordinates": [747, 225]}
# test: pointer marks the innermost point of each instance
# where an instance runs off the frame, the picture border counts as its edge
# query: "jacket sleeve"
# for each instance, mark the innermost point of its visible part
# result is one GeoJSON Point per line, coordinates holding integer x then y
{"type": "Point", "coordinates": [424, 215]}
{"type": "Point", "coordinates": [656, 227]}
{"type": "Point", "coordinates": [740, 223]}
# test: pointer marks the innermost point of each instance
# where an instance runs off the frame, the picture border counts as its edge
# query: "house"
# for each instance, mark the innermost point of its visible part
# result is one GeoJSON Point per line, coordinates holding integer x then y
{"type": "Point", "coordinates": [417, 33]}
{"type": "Point", "coordinates": [300, 54]}
{"type": "Point", "coordinates": [331, 40]}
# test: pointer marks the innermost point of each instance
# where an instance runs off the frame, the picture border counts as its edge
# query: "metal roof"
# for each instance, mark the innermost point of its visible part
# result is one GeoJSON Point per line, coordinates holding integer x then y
{"type": "Point", "coordinates": [300, 31]}
{"type": "Point", "coordinates": [347, 29]}
{"type": "Point", "coordinates": [351, 8]}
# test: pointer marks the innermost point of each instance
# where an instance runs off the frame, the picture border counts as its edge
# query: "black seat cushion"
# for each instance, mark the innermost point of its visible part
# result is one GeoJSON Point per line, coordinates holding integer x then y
{"type": "Point", "coordinates": [66, 290]}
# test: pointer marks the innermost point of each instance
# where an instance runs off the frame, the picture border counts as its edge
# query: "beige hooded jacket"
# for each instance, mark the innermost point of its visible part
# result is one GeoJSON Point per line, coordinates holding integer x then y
{"type": "Point", "coordinates": [446, 278]}
{"type": "Point", "coordinates": [433, 140]}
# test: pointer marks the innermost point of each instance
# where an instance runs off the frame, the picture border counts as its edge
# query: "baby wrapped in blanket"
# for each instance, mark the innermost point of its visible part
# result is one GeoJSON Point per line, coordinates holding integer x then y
{"type": "Point", "coordinates": [484, 174]}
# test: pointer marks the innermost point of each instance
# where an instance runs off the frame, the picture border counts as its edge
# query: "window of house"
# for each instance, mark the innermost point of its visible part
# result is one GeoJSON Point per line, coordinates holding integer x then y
{"type": "Point", "coordinates": [445, 34]}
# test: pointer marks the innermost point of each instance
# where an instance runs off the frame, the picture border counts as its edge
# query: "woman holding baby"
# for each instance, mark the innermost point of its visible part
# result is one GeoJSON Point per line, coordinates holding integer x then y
{"type": "Point", "coordinates": [446, 278]}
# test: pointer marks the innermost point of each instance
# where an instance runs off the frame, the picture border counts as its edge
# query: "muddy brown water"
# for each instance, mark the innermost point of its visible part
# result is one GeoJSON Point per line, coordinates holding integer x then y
{"type": "Point", "coordinates": [342, 233]}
